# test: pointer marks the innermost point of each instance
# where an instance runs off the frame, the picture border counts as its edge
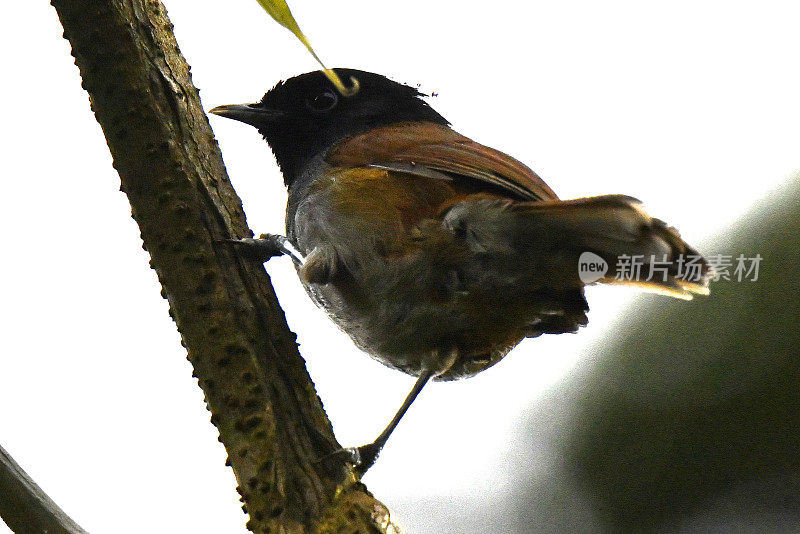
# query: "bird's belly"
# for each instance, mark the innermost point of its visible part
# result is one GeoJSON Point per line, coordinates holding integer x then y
{"type": "Point", "coordinates": [407, 324]}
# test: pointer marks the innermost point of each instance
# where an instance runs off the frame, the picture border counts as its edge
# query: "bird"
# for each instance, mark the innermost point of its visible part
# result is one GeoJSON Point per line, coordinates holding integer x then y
{"type": "Point", "coordinates": [436, 254]}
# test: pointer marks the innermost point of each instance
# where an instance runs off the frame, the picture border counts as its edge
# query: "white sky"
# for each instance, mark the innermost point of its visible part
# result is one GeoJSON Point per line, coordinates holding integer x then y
{"type": "Point", "coordinates": [692, 108]}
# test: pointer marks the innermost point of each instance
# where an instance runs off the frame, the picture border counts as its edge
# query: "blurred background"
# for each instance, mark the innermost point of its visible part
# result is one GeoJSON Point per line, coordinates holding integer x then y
{"type": "Point", "coordinates": [661, 415]}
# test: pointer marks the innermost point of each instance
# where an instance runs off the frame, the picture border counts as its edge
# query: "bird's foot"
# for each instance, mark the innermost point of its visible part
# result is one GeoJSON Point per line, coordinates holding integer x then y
{"type": "Point", "coordinates": [362, 458]}
{"type": "Point", "coordinates": [267, 246]}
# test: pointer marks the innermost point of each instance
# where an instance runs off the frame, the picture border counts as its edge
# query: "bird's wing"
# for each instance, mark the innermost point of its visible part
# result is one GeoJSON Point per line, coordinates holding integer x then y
{"type": "Point", "coordinates": [436, 151]}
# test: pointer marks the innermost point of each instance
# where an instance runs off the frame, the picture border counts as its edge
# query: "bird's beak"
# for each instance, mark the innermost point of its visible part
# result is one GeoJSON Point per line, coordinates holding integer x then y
{"type": "Point", "coordinates": [252, 114]}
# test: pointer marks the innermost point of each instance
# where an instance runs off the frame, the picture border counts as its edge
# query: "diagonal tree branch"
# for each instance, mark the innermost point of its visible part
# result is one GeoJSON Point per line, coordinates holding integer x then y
{"type": "Point", "coordinates": [25, 508]}
{"type": "Point", "coordinates": [262, 400]}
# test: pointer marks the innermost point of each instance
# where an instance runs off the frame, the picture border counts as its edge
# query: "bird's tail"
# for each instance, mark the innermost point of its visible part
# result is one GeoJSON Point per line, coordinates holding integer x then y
{"type": "Point", "coordinates": [607, 239]}
{"type": "Point", "coordinates": [619, 243]}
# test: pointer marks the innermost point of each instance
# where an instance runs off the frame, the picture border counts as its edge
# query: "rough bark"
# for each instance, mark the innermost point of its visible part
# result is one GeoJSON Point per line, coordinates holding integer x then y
{"type": "Point", "coordinates": [262, 400]}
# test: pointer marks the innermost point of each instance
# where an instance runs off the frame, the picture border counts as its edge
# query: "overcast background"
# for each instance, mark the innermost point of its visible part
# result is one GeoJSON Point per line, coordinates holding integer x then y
{"type": "Point", "coordinates": [692, 107]}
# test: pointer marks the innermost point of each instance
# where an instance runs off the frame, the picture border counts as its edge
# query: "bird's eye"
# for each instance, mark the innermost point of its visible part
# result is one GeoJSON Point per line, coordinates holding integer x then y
{"type": "Point", "coordinates": [322, 101]}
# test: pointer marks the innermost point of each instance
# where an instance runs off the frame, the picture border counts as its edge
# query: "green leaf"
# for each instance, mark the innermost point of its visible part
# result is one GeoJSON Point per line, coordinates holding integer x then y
{"type": "Point", "coordinates": [279, 10]}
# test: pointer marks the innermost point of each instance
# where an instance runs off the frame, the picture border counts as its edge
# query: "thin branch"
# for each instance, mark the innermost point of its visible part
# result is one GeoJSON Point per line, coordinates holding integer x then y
{"type": "Point", "coordinates": [245, 357]}
{"type": "Point", "coordinates": [25, 508]}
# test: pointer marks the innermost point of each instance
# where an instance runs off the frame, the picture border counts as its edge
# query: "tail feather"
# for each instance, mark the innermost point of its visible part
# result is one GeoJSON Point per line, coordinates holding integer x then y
{"type": "Point", "coordinates": [562, 244]}
{"type": "Point", "coordinates": [637, 249]}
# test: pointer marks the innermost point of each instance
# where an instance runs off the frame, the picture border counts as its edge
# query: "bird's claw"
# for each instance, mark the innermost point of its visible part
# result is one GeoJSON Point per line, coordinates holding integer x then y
{"type": "Point", "coordinates": [267, 246]}
{"type": "Point", "coordinates": [362, 458]}
{"type": "Point", "coordinates": [365, 457]}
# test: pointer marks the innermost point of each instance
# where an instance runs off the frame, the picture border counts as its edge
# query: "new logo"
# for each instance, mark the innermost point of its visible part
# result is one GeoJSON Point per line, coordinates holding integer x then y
{"type": "Point", "coordinates": [591, 267]}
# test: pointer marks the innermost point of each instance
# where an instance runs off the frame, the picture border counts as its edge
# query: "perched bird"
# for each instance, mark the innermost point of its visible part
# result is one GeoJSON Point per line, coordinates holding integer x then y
{"type": "Point", "coordinates": [436, 254]}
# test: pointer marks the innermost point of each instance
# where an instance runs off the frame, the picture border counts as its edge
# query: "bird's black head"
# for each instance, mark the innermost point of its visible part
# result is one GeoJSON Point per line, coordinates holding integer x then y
{"type": "Point", "coordinates": [306, 115]}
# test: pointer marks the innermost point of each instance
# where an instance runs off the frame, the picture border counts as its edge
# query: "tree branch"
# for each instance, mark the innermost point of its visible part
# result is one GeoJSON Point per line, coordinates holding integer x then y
{"type": "Point", "coordinates": [262, 400]}
{"type": "Point", "coordinates": [25, 508]}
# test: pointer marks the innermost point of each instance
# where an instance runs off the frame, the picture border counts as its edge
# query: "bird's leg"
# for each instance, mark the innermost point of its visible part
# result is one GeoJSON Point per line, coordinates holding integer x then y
{"type": "Point", "coordinates": [364, 456]}
{"type": "Point", "coordinates": [268, 246]}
